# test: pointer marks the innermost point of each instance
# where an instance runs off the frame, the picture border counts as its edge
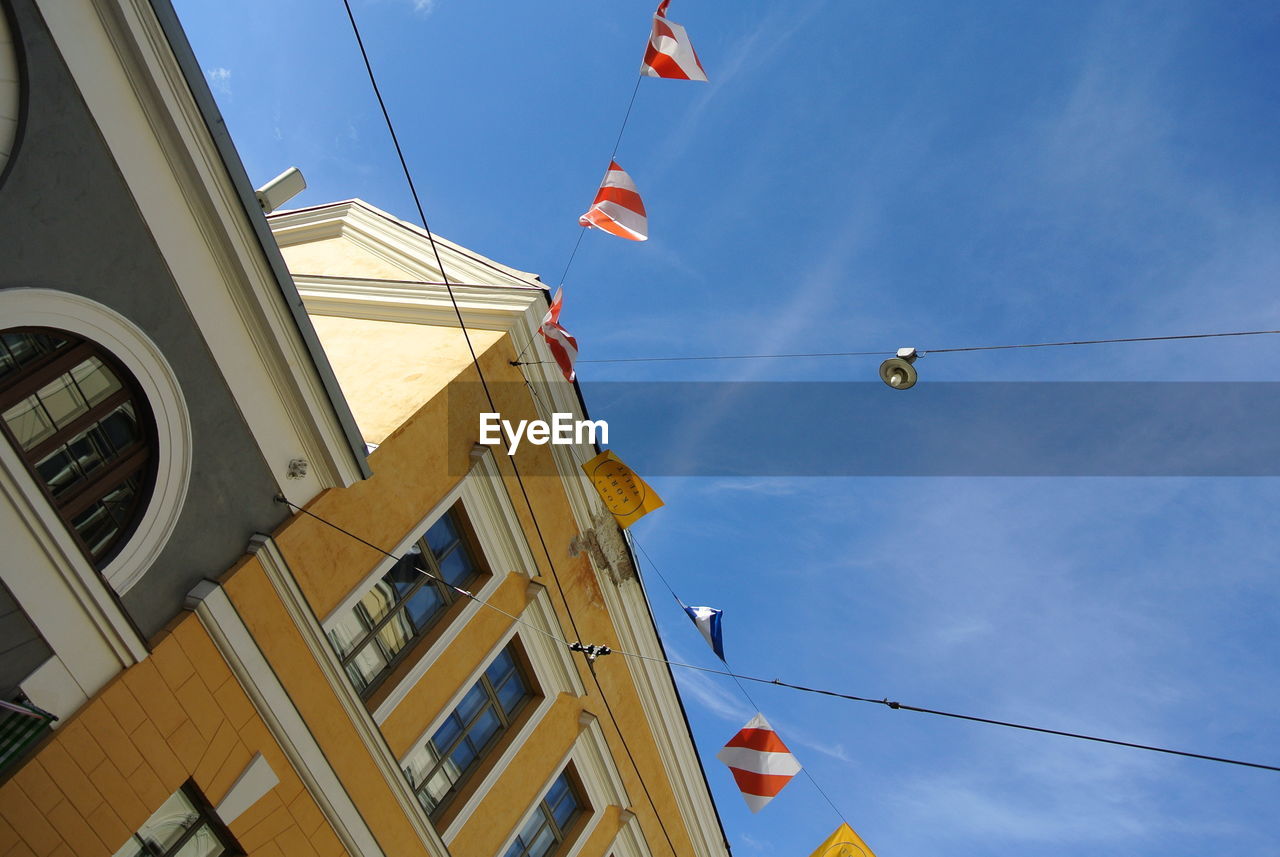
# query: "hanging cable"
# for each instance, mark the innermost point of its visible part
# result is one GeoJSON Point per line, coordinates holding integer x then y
{"type": "Point", "coordinates": [922, 351]}
{"type": "Point", "coordinates": [809, 774]}
{"type": "Point", "coordinates": [885, 701]}
{"type": "Point", "coordinates": [444, 275]}
{"type": "Point", "coordinates": [612, 156]}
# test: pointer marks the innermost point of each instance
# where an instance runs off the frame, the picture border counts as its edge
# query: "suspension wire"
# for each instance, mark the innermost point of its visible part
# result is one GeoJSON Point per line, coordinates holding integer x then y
{"type": "Point", "coordinates": [728, 673]}
{"type": "Point", "coordinates": [612, 156]}
{"type": "Point", "coordinates": [582, 231]}
{"type": "Point", "coordinates": [489, 397]}
{"type": "Point", "coordinates": [626, 117]}
{"type": "Point", "coordinates": [923, 351]}
{"type": "Point", "coordinates": [653, 565]}
{"type": "Point", "coordinates": [525, 348]}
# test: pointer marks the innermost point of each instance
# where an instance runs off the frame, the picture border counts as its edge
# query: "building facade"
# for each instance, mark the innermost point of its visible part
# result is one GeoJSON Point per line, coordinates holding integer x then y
{"type": "Point", "coordinates": [224, 629]}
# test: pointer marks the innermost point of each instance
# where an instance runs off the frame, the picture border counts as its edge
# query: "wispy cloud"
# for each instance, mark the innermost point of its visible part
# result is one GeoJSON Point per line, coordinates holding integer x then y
{"type": "Point", "coordinates": [771, 487]}
{"type": "Point", "coordinates": [219, 80]}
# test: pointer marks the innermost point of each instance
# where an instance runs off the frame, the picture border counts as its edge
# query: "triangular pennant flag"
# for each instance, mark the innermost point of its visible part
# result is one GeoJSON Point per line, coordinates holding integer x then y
{"type": "Point", "coordinates": [707, 621]}
{"type": "Point", "coordinates": [618, 208]}
{"type": "Point", "coordinates": [844, 843]}
{"type": "Point", "coordinates": [670, 53]}
{"type": "Point", "coordinates": [625, 495]}
{"type": "Point", "coordinates": [563, 347]}
{"type": "Point", "coordinates": [760, 763]}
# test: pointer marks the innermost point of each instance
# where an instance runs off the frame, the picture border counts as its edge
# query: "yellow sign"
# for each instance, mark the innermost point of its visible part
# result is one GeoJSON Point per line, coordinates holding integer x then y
{"type": "Point", "coordinates": [624, 494]}
{"type": "Point", "coordinates": [844, 843]}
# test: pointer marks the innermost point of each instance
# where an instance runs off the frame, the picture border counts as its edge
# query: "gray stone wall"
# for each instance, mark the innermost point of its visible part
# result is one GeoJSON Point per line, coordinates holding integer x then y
{"type": "Point", "coordinates": [69, 222]}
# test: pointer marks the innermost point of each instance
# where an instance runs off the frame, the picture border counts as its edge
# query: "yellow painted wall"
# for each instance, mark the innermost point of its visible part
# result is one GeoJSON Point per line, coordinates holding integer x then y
{"type": "Point", "coordinates": [281, 642]}
{"type": "Point", "coordinates": [179, 714]}
{"type": "Point", "coordinates": [424, 450]}
{"type": "Point", "coordinates": [340, 257]}
{"type": "Point", "coordinates": [388, 370]}
{"type": "Point", "coordinates": [414, 468]}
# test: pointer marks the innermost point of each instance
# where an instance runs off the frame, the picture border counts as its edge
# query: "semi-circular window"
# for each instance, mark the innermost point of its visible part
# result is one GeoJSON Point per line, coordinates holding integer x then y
{"type": "Point", "coordinates": [78, 419]}
{"type": "Point", "coordinates": [10, 90]}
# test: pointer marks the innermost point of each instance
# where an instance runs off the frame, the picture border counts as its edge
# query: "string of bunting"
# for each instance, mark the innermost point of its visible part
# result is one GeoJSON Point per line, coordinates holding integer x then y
{"type": "Point", "coordinates": [617, 208]}
{"type": "Point", "coordinates": [758, 759]}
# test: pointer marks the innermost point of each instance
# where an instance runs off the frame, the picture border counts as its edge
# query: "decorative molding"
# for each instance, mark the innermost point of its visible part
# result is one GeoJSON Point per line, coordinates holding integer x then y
{"type": "Point", "coordinates": [555, 674]}
{"type": "Point", "coordinates": [498, 532]}
{"type": "Point", "coordinates": [251, 669]}
{"type": "Point", "coordinates": [53, 688]}
{"type": "Point", "coordinates": [295, 604]}
{"type": "Point", "coordinates": [251, 786]}
{"type": "Point", "coordinates": [630, 841]}
{"type": "Point", "coordinates": [660, 702]}
{"type": "Point", "coordinates": [104, 638]}
{"type": "Point", "coordinates": [144, 360]}
{"type": "Point", "coordinates": [593, 763]}
{"type": "Point", "coordinates": [10, 91]}
{"type": "Point", "coordinates": [483, 307]}
{"type": "Point", "coordinates": [395, 241]}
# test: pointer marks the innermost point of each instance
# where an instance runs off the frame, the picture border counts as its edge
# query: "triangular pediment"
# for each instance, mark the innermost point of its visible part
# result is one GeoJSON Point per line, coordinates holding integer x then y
{"type": "Point", "coordinates": [355, 239]}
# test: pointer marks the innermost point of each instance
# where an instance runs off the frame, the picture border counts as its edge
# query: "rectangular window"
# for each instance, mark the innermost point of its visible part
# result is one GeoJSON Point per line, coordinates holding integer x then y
{"type": "Point", "coordinates": [548, 827]}
{"type": "Point", "coordinates": [470, 731]}
{"type": "Point", "coordinates": [405, 603]}
{"type": "Point", "coordinates": [183, 826]}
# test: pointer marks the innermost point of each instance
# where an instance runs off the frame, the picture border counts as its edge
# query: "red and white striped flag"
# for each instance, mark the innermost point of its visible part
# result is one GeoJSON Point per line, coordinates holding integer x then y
{"type": "Point", "coordinates": [618, 208]}
{"type": "Point", "coordinates": [670, 53]}
{"type": "Point", "coordinates": [563, 347]}
{"type": "Point", "coordinates": [761, 764]}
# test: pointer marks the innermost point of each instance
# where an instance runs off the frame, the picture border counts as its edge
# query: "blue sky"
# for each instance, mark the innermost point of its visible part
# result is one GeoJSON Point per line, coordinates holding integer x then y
{"type": "Point", "coordinates": [866, 176]}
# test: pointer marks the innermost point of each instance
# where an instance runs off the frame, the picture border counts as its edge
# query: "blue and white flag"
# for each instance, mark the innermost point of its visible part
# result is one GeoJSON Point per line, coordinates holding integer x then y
{"type": "Point", "coordinates": [707, 619]}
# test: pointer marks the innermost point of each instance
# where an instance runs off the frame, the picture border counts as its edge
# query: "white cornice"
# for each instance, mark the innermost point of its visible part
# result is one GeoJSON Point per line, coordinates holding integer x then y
{"type": "Point", "coordinates": [395, 241]}
{"type": "Point", "coordinates": [482, 307]}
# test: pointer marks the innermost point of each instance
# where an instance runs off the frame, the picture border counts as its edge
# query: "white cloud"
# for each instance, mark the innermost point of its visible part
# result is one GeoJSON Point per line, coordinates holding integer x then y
{"type": "Point", "coordinates": [219, 80]}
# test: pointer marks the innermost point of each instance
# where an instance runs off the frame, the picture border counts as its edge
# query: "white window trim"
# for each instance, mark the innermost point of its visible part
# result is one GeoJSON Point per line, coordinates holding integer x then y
{"type": "Point", "coordinates": [630, 841]}
{"type": "Point", "coordinates": [75, 612]}
{"type": "Point", "coordinates": [270, 699]}
{"type": "Point", "coordinates": [144, 360]}
{"type": "Point", "coordinates": [300, 614]}
{"type": "Point", "coordinates": [493, 519]}
{"type": "Point", "coordinates": [10, 91]}
{"type": "Point", "coordinates": [601, 781]}
{"type": "Point", "coordinates": [554, 673]}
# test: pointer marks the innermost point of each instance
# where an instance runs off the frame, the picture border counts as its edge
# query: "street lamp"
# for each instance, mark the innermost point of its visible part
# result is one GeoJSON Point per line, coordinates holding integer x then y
{"type": "Point", "coordinates": [898, 372]}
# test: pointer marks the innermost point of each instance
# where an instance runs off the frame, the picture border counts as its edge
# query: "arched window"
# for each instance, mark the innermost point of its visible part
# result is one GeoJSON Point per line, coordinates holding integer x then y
{"type": "Point", "coordinates": [81, 425]}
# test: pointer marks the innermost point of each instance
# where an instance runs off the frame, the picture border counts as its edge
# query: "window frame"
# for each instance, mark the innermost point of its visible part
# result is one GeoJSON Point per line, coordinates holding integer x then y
{"type": "Point", "coordinates": [510, 723]}
{"type": "Point", "coordinates": [466, 542]}
{"type": "Point", "coordinates": [207, 819]}
{"type": "Point", "coordinates": [565, 836]}
{"type": "Point", "coordinates": [137, 461]}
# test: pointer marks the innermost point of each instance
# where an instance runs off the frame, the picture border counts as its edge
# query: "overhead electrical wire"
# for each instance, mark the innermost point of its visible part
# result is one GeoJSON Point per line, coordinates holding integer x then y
{"type": "Point", "coordinates": [776, 682]}
{"type": "Point", "coordinates": [533, 517]}
{"type": "Point", "coordinates": [808, 774]}
{"type": "Point", "coordinates": [921, 351]}
{"type": "Point", "coordinates": [578, 645]}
